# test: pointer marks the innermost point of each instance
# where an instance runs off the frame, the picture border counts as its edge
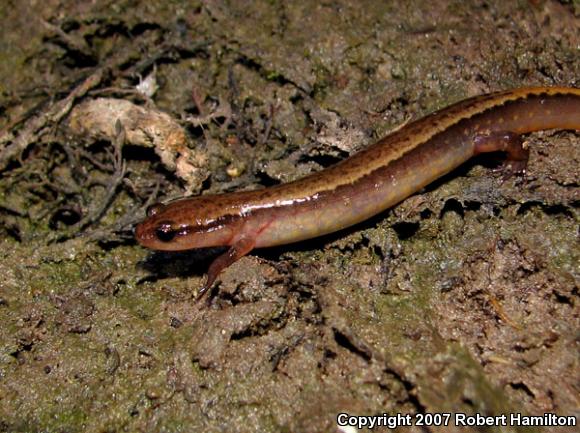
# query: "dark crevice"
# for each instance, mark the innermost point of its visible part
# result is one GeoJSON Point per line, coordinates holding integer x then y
{"type": "Point", "coordinates": [471, 205]}
{"type": "Point", "coordinates": [426, 214]}
{"type": "Point", "coordinates": [563, 299]}
{"type": "Point", "coordinates": [378, 251]}
{"type": "Point", "coordinates": [266, 180]}
{"type": "Point", "coordinates": [405, 230]}
{"type": "Point", "coordinates": [345, 341]}
{"type": "Point", "coordinates": [453, 205]}
{"type": "Point", "coordinates": [520, 386]}
{"type": "Point", "coordinates": [323, 160]}
{"type": "Point", "coordinates": [552, 210]}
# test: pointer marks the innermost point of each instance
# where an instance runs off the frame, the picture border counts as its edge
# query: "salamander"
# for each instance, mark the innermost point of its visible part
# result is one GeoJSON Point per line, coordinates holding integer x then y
{"type": "Point", "coordinates": [364, 184]}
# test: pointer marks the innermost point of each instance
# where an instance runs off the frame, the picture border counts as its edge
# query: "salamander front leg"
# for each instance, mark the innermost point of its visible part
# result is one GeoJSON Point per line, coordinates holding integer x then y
{"type": "Point", "coordinates": [505, 141]}
{"type": "Point", "coordinates": [236, 252]}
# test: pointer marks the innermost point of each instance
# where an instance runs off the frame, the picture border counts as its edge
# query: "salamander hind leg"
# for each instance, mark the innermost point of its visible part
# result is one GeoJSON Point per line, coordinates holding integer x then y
{"type": "Point", "coordinates": [505, 141]}
{"type": "Point", "coordinates": [238, 250]}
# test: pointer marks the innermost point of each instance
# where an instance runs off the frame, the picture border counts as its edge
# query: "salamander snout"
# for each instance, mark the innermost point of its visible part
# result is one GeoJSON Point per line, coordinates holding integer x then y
{"type": "Point", "coordinates": [186, 224]}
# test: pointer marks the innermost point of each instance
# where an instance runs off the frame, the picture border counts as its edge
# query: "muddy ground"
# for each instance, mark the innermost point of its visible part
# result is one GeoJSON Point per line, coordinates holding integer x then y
{"type": "Point", "coordinates": [464, 298]}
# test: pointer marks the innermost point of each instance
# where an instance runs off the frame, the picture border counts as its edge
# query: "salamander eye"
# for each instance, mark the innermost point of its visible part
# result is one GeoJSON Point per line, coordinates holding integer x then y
{"type": "Point", "coordinates": [165, 232]}
{"type": "Point", "coordinates": [154, 209]}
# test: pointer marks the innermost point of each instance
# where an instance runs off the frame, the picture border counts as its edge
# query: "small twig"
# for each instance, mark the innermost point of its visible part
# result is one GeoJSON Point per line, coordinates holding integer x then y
{"type": "Point", "coordinates": [197, 101]}
{"type": "Point", "coordinates": [269, 122]}
{"type": "Point", "coordinates": [72, 42]}
{"type": "Point", "coordinates": [224, 109]}
{"type": "Point", "coordinates": [499, 310]}
{"type": "Point", "coordinates": [73, 155]}
{"type": "Point", "coordinates": [108, 91]}
{"type": "Point", "coordinates": [127, 221]}
{"type": "Point", "coordinates": [116, 179]}
{"type": "Point", "coordinates": [89, 157]}
{"type": "Point", "coordinates": [37, 126]}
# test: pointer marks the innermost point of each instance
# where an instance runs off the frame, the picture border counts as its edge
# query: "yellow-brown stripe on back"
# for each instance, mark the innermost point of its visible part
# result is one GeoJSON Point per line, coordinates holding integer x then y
{"type": "Point", "coordinates": [386, 150]}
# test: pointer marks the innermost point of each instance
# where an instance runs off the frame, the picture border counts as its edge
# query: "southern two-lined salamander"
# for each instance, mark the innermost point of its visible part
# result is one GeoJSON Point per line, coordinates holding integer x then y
{"type": "Point", "coordinates": [363, 185]}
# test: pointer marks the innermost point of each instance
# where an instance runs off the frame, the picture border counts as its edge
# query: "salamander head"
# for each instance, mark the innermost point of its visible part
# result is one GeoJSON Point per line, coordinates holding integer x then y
{"type": "Point", "coordinates": [185, 224]}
